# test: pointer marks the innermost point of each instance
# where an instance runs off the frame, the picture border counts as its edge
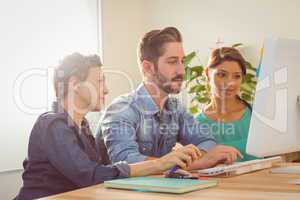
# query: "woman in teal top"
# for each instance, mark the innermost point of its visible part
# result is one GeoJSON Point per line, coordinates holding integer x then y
{"type": "Point", "coordinates": [232, 133]}
{"type": "Point", "coordinates": [227, 115]}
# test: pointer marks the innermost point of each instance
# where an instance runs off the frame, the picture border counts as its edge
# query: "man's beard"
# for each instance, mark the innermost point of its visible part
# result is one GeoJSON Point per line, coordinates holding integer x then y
{"type": "Point", "coordinates": [165, 84]}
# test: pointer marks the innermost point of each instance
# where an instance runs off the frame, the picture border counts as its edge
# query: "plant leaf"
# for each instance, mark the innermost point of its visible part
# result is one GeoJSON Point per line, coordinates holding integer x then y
{"type": "Point", "coordinates": [188, 58]}
{"type": "Point", "coordinates": [192, 77]}
{"type": "Point", "coordinates": [202, 100]}
{"type": "Point", "coordinates": [197, 89]}
{"type": "Point", "coordinates": [198, 69]}
{"type": "Point", "coordinates": [246, 97]}
{"type": "Point", "coordinates": [188, 73]}
{"type": "Point", "coordinates": [250, 66]}
{"type": "Point", "coordinates": [194, 109]}
{"type": "Point", "coordinates": [237, 45]}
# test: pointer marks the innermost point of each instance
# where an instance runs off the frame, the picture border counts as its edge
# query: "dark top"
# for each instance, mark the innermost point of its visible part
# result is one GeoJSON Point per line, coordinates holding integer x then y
{"type": "Point", "coordinates": [62, 157]}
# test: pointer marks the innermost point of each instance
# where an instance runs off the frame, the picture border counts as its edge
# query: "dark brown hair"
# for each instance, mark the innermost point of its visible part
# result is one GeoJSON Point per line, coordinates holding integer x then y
{"type": "Point", "coordinates": [73, 65]}
{"type": "Point", "coordinates": [220, 55]}
{"type": "Point", "coordinates": [152, 44]}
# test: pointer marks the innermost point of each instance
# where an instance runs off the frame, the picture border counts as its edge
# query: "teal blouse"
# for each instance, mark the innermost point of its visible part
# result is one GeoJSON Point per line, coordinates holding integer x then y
{"type": "Point", "coordinates": [233, 134]}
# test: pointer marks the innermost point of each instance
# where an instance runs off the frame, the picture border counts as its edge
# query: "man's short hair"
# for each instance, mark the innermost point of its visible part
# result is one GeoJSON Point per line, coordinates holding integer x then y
{"type": "Point", "coordinates": [151, 46]}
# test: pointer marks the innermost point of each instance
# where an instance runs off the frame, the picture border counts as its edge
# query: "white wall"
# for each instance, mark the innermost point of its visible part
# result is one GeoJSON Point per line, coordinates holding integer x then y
{"type": "Point", "coordinates": [11, 182]}
{"type": "Point", "coordinates": [248, 21]}
{"type": "Point", "coordinates": [35, 35]}
{"type": "Point", "coordinates": [123, 23]}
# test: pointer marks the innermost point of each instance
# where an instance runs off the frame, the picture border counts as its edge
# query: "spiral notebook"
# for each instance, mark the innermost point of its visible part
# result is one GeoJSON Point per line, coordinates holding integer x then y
{"type": "Point", "coordinates": [164, 185]}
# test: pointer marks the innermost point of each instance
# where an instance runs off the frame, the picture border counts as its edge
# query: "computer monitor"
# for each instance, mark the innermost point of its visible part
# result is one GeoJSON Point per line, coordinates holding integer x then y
{"type": "Point", "coordinates": [275, 122]}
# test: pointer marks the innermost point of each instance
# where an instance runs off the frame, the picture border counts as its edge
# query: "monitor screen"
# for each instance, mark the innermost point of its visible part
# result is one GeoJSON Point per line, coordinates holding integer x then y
{"type": "Point", "coordinates": [275, 122]}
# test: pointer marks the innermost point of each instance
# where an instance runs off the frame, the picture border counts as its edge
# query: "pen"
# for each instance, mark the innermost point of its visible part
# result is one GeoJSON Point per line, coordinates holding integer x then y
{"type": "Point", "coordinates": [174, 169]}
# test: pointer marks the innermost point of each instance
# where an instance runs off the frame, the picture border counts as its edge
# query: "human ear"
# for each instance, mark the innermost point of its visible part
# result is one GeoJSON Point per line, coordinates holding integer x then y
{"type": "Point", "coordinates": [74, 84]}
{"type": "Point", "coordinates": [148, 68]}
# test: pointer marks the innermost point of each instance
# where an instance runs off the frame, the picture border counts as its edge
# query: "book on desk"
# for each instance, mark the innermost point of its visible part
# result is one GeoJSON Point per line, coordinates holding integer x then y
{"type": "Point", "coordinates": [164, 185]}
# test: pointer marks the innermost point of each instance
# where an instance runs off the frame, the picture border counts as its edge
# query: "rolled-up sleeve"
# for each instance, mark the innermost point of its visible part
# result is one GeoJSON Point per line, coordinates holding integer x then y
{"type": "Point", "coordinates": [65, 154]}
{"type": "Point", "coordinates": [193, 132]}
{"type": "Point", "coordinates": [118, 130]}
{"type": "Point", "coordinates": [123, 168]}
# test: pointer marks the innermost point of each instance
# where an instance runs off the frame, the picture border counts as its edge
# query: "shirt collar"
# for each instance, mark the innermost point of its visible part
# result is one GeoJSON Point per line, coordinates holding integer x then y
{"type": "Point", "coordinates": [58, 108]}
{"type": "Point", "coordinates": [147, 103]}
{"type": "Point", "coordinates": [145, 100]}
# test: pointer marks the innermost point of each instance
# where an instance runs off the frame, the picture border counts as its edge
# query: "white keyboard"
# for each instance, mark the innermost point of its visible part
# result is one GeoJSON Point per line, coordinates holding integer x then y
{"type": "Point", "coordinates": [240, 167]}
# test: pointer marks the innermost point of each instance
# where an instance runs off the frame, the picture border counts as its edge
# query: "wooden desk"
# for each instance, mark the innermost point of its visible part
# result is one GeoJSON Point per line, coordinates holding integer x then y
{"type": "Point", "coordinates": [259, 185]}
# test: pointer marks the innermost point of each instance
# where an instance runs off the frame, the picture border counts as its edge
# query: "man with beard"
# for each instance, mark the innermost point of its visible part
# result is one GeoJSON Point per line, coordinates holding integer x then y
{"type": "Point", "coordinates": [147, 123]}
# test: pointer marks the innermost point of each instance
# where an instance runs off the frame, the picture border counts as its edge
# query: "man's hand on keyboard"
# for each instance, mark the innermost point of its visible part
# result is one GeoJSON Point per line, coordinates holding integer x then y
{"type": "Point", "coordinates": [219, 154]}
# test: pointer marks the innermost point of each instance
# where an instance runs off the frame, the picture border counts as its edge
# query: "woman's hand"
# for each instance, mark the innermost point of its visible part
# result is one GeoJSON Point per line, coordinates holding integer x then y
{"type": "Point", "coordinates": [219, 154]}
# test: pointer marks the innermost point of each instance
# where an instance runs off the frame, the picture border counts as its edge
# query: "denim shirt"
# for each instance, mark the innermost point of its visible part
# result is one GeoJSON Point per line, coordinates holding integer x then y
{"type": "Point", "coordinates": [63, 157]}
{"type": "Point", "coordinates": [133, 128]}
